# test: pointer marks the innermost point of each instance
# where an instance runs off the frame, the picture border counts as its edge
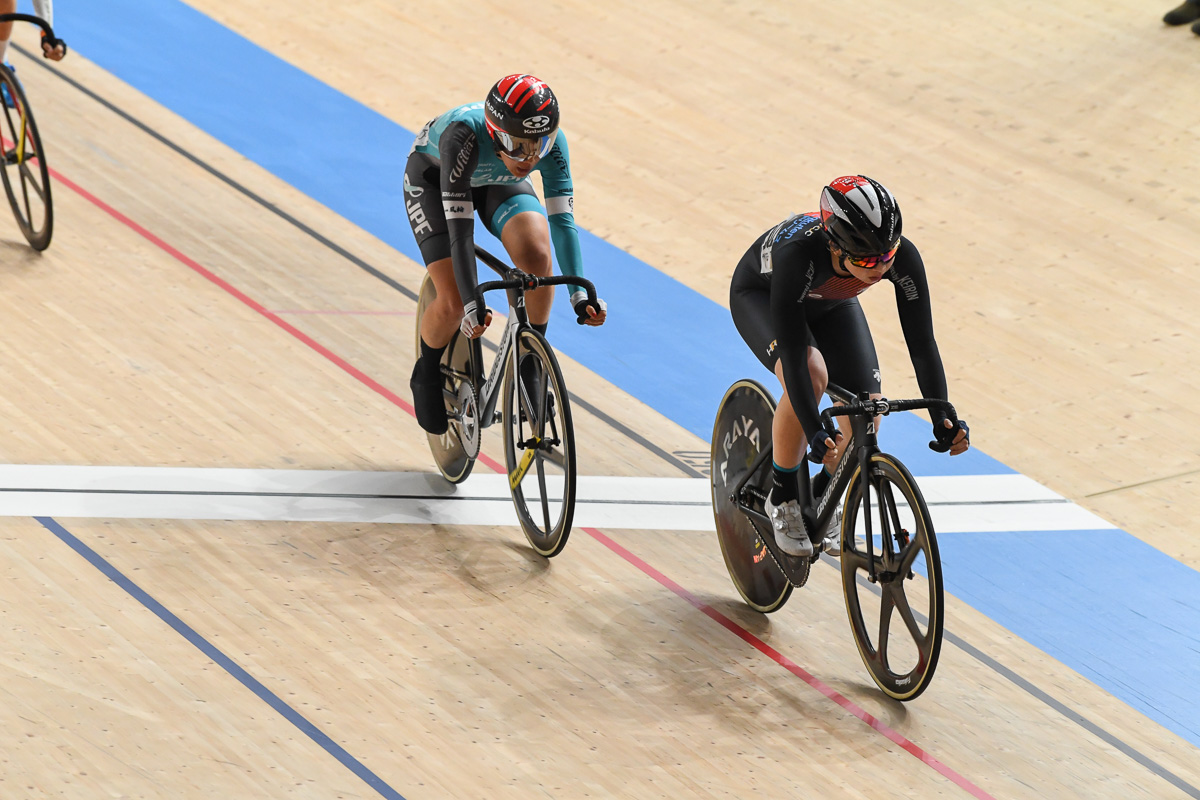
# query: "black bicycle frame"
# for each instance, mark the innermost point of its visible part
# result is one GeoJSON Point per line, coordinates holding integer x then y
{"type": "Point", "coordinates": [863, 442]}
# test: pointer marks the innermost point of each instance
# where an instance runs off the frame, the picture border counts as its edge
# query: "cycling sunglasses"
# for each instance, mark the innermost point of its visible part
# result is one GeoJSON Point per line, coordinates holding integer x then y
{"type": "Point", "coordinates": [871, 262]}
{"type": "Point", "coordinates": [520, 149]}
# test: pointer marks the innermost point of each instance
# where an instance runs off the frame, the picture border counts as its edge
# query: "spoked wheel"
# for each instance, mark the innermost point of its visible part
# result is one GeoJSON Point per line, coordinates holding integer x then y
{"type": "Point", "coordinates": [25, 174]}
{"type": "Point", "coordinates": [897, 622]}
{"type": "Point", "coordinates": [452, 450]}
{"type": "Point", "coordinates": [539, 445]}
{"type": "Point", "coordinates": [742, 430]}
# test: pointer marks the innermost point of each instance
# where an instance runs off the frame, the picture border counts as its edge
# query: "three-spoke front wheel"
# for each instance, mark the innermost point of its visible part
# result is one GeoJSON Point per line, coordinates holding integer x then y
{"type": "Point", "coordinates": [539, 444]}
{"type": "Point", "coordinates": [23, 167]}
{"type": "Point", "coordinates": [897, 620]}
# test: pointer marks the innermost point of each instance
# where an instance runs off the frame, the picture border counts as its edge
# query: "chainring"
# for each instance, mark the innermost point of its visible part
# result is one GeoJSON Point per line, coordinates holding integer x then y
{"type": "Point", "coordinates": [465, 424]}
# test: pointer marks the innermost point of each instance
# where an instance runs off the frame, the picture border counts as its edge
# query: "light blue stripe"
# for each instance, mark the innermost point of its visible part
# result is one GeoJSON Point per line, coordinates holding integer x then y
{"type": "Point", "coordinates": [665, 344]}
{"type": "Point", "coordinates": [1107, 604]}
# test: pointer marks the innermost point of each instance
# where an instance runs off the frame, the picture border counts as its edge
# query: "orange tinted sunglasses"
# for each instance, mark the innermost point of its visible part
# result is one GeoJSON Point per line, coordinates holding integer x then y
{"type": "Point", "coordinates": [870, 262]}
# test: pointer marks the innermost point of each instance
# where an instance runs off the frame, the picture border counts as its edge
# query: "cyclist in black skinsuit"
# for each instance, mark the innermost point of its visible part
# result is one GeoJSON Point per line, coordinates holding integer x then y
{"type": "Point", "coordinates": [794, 300]}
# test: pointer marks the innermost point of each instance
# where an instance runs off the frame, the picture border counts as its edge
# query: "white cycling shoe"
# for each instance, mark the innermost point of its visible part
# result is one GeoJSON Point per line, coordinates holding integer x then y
{"type": "Point", "coordinates": [788, 525]}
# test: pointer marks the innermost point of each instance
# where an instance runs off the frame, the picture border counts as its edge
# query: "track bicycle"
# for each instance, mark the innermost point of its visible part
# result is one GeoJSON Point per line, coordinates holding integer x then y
{"type": "Point", "coordinates": [23, 169]}
{"type": "Point", "coordinates": [539, 443]}
{"type": "Point", "coordinates": [872, 515]}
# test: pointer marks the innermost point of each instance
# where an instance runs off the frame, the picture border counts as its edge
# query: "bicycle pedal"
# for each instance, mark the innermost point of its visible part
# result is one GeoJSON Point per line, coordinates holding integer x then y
{"type": "Point", "coordinates": [831, 546]}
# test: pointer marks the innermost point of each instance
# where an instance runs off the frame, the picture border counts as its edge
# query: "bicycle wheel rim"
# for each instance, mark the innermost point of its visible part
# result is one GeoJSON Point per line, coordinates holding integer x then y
{"type": "Point", "coordinates": [755, 575]}
{"type": "Point", "coordinates": [23, 167]}
{"type": "Point", "coordinates": [539, 445]}
{"type": "Point", "coordinates": [448, 452]}
{"type": "Point", "coordinates": [898, 623]}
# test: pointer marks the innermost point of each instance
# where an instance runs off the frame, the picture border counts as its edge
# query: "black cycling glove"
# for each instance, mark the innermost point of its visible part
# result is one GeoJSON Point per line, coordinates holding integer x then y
{"type": "Point", "coordinates": [944, 437]}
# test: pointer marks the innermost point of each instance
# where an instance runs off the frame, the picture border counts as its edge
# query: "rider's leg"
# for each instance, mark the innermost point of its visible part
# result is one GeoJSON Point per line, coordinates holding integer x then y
{"type": "Point", "coordinates": [423, 206]}
{"type": "Point", "coordinates": [438, 323]}
{"type": "Point", "coordinates": [443, 315]}
{"type": "Point", "coordinates": [842, 333]}
{"type": "Point", "coordinates": [6, 7]}
{"type": "Point", "coordinates": [526, 237]}
{"type": "Point", "coordinates": [787, 434]}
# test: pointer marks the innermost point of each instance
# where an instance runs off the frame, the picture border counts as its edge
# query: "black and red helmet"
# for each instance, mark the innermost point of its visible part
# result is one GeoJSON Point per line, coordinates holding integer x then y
{"type": "Point", "coordinates": [521, 116]}
{"type": "Point", "coordinates": [860, 216]}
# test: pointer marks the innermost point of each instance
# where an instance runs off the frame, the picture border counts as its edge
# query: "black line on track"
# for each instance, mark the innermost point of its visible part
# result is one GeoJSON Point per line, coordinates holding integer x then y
{"type": "Point", "coordinates": [1108, 738]}
{"type": "Point", "coordinates": [454, 497]}
{"type": "Point", "coordinates": [341, 251]}
{"type": "Point", "coordinates": [1076, 717]}
{"type": "Point", "coordinates": [337, 495]}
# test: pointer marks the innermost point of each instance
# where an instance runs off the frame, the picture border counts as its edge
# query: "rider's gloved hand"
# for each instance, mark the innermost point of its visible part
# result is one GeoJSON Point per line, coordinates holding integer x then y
{"type": "Point", "coordinates": [586, 313]}
{"type": "Point", "coordinates": [950, 437]}
{"type": "Point", "coordinates": [471, 327]}
{"type": "Point", "coordinates": [52, 48]}
{"type": "Point", "coordinates": [824, 449]}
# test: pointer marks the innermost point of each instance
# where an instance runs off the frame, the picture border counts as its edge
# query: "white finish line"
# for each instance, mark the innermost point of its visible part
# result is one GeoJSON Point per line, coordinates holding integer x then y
{"type": "Point", "coordinates": [977, 503]}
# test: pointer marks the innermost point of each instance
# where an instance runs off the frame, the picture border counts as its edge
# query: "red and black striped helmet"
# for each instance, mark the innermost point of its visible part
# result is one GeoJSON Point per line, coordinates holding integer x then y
{"type": "Point", "coordinates": [860, 216]}
{"type": "Point", "coordinates": [521, 115]}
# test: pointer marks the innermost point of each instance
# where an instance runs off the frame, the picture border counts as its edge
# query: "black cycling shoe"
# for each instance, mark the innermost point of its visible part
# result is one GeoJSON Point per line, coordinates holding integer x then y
{"type": "Point", "coordinates": [1185, 13]}
{"type": "Point", "coordinates": [428, 401]}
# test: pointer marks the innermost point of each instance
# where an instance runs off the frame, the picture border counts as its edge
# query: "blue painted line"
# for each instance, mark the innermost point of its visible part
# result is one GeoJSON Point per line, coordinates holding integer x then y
{"type": "Point", "coordinates": [665, 344]}
{"type": "Point", "coordinates": [226, 663]}
{"type": "Point", "coordinates": [1134, 630]}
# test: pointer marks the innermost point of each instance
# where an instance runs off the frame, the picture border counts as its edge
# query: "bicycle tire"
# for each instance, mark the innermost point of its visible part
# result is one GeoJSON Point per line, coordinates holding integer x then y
{"type": "Point", "coordinates": [902, 589]}
{"type": "Point", "coordinates": [22, 148]}
{"type": "Point", "coordinates": [742, 428]}
{"type": "Point", "coordinates": [451, 457]}
{"type": "Point", "coordinates": [537, 409]}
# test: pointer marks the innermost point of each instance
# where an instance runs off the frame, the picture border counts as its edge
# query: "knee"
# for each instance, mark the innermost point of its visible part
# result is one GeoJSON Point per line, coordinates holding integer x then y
{"type": "Point", "coordinates": [534, 257]}
{"type": "Point", "coordinates": [446, 307]}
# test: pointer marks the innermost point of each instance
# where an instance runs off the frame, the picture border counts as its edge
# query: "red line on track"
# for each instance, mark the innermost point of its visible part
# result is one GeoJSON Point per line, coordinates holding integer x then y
{"type": "Point", "coordinates": [596, 534]}
{"type": "Point", "coordinates": [312, 343]}
{"type": "Point", "coordinates": [318, 311]}
{"type": "Point", "coordinates": [790, 666]}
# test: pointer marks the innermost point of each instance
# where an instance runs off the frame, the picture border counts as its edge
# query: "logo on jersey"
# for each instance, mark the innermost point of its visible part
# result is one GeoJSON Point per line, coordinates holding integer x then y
{"type": "Point", "coordinates": [461, 160]}
{"type": "Point", "coordinates": [536, 123]}
{"type": "Point", "coordinates": [412, 191]}
{"type": "Point", "coordinates": [909, 286]}
{"type": "Point", "coordinates": [417, 215]}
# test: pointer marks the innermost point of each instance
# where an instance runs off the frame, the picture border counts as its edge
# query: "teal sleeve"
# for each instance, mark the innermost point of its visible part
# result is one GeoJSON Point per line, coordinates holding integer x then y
{"type": "Point", "coordinates": [560, 207]}
{"type": "Point", "coordinates": [566, 246]}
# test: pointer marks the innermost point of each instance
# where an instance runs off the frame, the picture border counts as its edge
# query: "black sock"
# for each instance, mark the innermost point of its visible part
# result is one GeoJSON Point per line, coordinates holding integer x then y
{"type": "Point", "coordinates": [783, 484]}
{"type": "Point", "coordinates": [430, 362]}
{"type": "Point", "coordinates": [820, 482]}
{"type": "Point", "coordinates": [540, 327]}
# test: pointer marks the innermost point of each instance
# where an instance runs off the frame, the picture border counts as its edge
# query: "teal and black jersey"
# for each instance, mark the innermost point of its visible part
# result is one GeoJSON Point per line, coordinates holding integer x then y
{"type": "Point", "coordinates": [458, 145]}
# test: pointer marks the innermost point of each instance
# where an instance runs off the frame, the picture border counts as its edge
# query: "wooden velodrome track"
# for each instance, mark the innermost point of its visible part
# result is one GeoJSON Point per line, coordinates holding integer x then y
{"type": "Point", "coordinates": [1045, 154]}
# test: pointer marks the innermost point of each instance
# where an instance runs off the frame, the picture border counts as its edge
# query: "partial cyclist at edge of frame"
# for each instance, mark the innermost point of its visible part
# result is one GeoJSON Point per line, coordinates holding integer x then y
{"type": "Point", "coordinates": [794, 300]}
{"type": "Point", "coordinates": [41, 8]}
{"type": "Point", "coordinates": [478, 158]}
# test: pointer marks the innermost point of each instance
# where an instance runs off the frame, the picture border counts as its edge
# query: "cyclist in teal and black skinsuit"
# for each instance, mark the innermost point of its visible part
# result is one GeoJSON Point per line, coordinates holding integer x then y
{"type": "Point", "coordinates": [478, 158]}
